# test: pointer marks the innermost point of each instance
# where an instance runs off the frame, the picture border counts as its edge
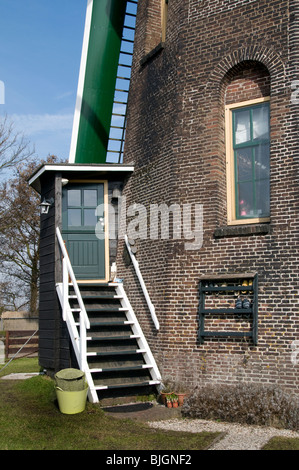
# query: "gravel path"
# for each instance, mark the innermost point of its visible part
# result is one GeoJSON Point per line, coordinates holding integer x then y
{"type": "Point", "coordinates": [238, 437]}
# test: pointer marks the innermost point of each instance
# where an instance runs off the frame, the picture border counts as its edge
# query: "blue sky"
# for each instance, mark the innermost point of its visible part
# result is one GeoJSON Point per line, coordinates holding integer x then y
{"type": "Point", "coordinates": [40, 52]}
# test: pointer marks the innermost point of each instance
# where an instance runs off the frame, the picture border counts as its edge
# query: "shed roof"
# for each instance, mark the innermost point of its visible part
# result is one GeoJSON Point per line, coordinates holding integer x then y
{"type": "Point", "coordinates": [68, 170]}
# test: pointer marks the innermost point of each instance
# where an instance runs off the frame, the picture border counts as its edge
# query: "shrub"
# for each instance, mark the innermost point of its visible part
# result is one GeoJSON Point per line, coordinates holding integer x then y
{"type": "Point", "coordinates": [244, 403]}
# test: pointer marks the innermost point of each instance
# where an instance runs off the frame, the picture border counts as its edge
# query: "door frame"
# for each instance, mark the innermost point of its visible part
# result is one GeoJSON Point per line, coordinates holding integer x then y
{"type": "Point", "coordinates": [106, 219]}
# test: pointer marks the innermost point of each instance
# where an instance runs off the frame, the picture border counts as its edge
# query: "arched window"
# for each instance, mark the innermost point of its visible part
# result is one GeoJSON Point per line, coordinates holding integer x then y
{"type": "Point", "coordinates": [247, 136]}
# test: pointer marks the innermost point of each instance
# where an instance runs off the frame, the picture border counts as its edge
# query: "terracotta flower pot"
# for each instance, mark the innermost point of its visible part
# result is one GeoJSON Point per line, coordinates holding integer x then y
{"type": "Point", "coordinates": [168, 404]}
{"type": "Point", "coordinates": [164, 396]}
{"type": "Point", "coordinates": [181, 397]}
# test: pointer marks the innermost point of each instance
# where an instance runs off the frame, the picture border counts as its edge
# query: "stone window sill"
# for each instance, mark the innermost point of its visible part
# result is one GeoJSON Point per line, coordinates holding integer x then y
{"type": "Point", "coordinates": [241, 230]}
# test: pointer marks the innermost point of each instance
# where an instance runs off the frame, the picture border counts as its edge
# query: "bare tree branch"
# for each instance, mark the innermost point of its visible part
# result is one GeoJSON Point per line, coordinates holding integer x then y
{"type": "Point", "coordinates": [14, 148]}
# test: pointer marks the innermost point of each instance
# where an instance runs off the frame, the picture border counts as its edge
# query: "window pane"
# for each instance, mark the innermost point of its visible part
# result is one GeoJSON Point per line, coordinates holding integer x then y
{"type": "Point", "coordinates": [90, 197]}
{"type": "Point", "coordinates": [242, 126]}
{"type": "Point", "coordinates": [244, 164]}
{"type": "Point", "coordinates": [260, 122]}
{"type": "Point", "coordinates": [74, 217]}
{"type": "Point", "coordinates": [262, 199]}
{"type": "Point", "coordinates": [245, 200]}
{"type": "Point", "coordinates": [251, 137]}
{"type": "Point", "coordinates": [90, 217]}
{"type": "Point", "coordinates": [74, 197]}
{"type": "Point", "coordinates": [262, 161]}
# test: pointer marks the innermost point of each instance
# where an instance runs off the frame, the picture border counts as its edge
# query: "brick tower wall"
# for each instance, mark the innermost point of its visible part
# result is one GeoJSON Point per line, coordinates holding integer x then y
{"type": "Point", "coordinates": [215, 53]}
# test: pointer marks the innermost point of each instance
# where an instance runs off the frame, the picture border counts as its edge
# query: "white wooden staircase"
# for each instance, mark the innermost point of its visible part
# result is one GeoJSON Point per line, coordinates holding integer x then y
{"type": "Point", "coordinates": [107, 339]}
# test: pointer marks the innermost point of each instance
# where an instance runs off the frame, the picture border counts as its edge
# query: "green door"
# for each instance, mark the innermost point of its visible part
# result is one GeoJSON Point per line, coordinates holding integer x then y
{"type": "Point", "coordinates": [83, 229]}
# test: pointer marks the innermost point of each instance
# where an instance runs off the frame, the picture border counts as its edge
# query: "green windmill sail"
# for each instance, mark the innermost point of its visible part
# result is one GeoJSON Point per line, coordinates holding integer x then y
{"type": "Point", "coordinates": [98, 71]}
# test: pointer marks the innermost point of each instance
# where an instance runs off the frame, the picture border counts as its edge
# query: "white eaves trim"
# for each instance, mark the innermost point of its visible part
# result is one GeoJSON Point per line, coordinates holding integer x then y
{"type": "Point", "coordinates": [79, 168]}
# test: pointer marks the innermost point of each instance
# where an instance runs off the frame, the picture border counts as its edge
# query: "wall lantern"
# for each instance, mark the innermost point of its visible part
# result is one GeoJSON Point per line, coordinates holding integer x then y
{"type": "Point", "coordinates": [45, 205]}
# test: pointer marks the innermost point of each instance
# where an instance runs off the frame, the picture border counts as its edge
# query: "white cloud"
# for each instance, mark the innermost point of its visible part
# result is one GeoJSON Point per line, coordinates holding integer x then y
{"type": "Point", "coordinates": [33, 124]}
{"type": "Point", "coordinates": [64, 95]}
{"type": "Point", "coordinates": [48, 133]}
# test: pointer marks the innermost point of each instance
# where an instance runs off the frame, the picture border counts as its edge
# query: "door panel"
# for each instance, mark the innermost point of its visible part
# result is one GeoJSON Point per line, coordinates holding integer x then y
{"type": "Point", "coordinates": [83, 229]}
{"type": "Point", "coordinates": [87, 255]}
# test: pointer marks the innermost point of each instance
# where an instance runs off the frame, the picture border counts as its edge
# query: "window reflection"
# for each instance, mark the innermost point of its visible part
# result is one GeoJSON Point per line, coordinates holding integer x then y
{"type": "Point", "coordinates": [74, 197]}
{"type": "Point", "coordinates": [252, 160]}
{"type": "Point", "coordinates": [90, 217]}
{"type": "Point", "coordinates": [74, 217]}
{"type": "Point", "coordinates": [90, 197]}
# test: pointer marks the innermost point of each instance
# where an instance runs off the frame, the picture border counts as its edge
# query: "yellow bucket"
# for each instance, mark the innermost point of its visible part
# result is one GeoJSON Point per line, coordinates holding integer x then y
{"type": "Point", "coordinates": [71, 402]}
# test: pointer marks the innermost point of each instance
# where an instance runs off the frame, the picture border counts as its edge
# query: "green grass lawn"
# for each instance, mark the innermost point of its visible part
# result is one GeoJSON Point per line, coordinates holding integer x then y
{"type": "Point", "coordinates": [31, 420]}
{"type": "Point", "coordinates": [282, 443]}
{"type": "Point", "coordinates": [20, 365]}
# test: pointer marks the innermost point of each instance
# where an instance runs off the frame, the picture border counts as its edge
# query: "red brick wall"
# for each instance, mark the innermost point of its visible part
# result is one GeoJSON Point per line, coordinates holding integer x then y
{"type": "Point", "coordinates": [149, 33]}
{"type": "Point", "coordinates": [215, 53]}
{"type": "Point", "coordinates": [248, 81]}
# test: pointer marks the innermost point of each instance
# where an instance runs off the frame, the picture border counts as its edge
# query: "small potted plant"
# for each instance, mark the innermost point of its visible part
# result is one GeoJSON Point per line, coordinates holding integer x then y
{"type": "Point", "coordinates": [173, 388]}
{"type": "Point", "coordinates": [169, 400]}
{"type": "Point", "coordinates": [175, 400]}
{"type": "Point", "coordinates": [166, 391]}
{"type": "Point", "coordinates": [181, 392]}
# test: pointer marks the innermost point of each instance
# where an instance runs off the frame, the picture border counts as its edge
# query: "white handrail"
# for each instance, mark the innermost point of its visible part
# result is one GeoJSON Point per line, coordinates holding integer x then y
{"type": "Point", "coordinates": [142, 284]}
{"type": "Point", "coordinates": [68, 271]}
{"type": "Point", "coordinates": [78, 340]}
{"type": "Point", "coordinates": [137, 330]}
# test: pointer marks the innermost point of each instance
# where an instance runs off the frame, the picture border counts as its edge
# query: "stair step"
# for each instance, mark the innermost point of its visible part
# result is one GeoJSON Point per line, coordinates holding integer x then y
{"type": "Point", "coordinates": [117, 353]}
{"type": "Point", "coordinates": [108, 330]}
{"type": "Point", "coordinates": [127, 385]}
{"type": "Point", "coordinates": [101, 297]}
{"type": "Point", "coordinates": [93, 284]}
{"type": "Point", "coordinates": [109, 323]}
{"type": "Point", "coordinates": [105, 309]}
{"type": "Point", "coordinates": [120, 369]}
{"type": "Point", "coordinates": [112, 338]}
{"type": "Point", "coordinates": [112, 323]}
